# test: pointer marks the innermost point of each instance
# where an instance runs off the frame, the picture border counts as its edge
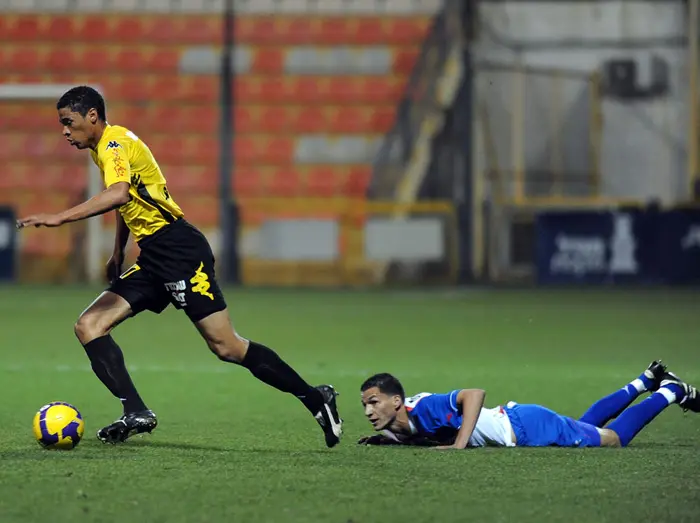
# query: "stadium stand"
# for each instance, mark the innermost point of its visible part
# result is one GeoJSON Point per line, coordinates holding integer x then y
{"type": "Point", "coordinates": [316, 89]}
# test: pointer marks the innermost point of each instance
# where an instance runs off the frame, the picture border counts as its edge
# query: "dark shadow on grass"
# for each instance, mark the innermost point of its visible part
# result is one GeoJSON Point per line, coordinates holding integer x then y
{"type": "Point", "coordinates": [210, 448]}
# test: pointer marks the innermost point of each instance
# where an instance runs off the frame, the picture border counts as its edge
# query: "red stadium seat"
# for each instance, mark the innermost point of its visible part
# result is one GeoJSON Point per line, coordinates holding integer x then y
{"type": "Point", "coordinates": [371, 31]}
{"type": "Point", "coordinates": [268, 60]}
{"type": "Point", "coordinates": [62, 28]}
{"type": "Point", "coordinates": [164, 60]}
{"type": "Point", "coordinates": [309, 119]}
{"type": "Point", "coordinates": [25, 28]}
{"type": "Point", "coordinates": [348, 120]}
{"type": "Point", "coordinates": [94, 29]}
{"type": "Point", "coordinates": [405, 60]}
{"type": "Point", "coordinates": [274, 120]}
{"type": "Point", "coordinates": [323, 182]}
{"type": "Point", "coordinates": [285, 183]}
{"type": "Point", "coordinates": [23, 59]}
{"type": "Point", "coordinates": [247, 182]}
{"type": "Point", "coordinates": [129, 29]}
{"type": "Point", "coordinates": [131, 59]}
{"type": "Point", "coordinates": [381, 119]}
{"type": "Point", "coordinates": [201, 30]}
{"type": "Point", "coordinates": [277, 150]}
{"type": "Point", "coordinates": [357, 181]}
{"type": "Point", "coordinates": [408, 30]}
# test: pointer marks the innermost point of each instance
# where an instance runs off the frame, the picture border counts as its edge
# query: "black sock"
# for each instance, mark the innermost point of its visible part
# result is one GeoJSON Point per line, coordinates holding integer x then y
{"type": "Point", "coordinates": [268, 367]}
{"type": "Point", "coordinates": [108, 364]}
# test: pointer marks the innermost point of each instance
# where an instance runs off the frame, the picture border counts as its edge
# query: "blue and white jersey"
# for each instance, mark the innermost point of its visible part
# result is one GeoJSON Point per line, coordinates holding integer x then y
{"type": "Point", "coordinates": [437, 417]}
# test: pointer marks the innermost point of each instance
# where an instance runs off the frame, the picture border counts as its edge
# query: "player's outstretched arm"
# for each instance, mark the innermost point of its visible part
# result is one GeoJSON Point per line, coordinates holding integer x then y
{"type": "Point", "coordinates": [470, 401]}
{"type": "Point", "coordinates": [114, 196]}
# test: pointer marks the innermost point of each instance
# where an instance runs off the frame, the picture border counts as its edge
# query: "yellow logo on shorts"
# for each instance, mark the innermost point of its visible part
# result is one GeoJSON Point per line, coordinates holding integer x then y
{"type": "Point", "coordinates": [200, 282]}
{"type": "Point", "coordinates": [131, 270]}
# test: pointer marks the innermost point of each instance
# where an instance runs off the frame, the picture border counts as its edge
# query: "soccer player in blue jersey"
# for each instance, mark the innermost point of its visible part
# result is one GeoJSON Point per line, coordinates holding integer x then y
{"type": "Point", "coordinates": [458, 419]}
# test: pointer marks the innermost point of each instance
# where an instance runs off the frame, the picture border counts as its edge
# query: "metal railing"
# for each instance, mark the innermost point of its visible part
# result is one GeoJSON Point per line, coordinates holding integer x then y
{"type": "Point", "coordinates": [418, 101]}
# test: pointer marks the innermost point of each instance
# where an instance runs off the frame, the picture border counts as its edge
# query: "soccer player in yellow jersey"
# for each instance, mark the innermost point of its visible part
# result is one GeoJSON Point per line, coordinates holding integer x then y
{"type": "Point", "coordinates": [175, 265]}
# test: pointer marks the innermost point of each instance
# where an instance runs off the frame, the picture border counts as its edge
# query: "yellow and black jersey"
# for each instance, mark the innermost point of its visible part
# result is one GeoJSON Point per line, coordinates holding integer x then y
{"type": "Point", "coordinates": [122, 157]}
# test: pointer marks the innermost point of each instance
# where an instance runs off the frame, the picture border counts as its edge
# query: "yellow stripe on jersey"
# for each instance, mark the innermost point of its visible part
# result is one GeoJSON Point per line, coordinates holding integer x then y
{"type": "Point", "coordinates": [123, 157]}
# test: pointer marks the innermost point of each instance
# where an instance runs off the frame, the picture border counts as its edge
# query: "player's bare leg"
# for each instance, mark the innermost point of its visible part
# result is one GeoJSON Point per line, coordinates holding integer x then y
{"type": "Point", "coordinates": [93, 330]}
{"type": "Point", "coordinates": [269, 368]}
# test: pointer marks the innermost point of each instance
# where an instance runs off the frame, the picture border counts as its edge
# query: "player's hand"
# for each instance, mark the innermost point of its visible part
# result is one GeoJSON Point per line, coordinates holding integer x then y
{"type": "Point", "coordinates": [114, 266]}
{"type": "Point", "coordinates": [40, 220]}
{"type": "Point", "coordinates": [375, 439]}
{"type": "Point", "coordinates": [445, 447]}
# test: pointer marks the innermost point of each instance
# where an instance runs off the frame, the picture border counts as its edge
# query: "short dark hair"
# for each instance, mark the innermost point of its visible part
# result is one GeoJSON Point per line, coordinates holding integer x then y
{"type": "Point", "coordinates": [386, 383]}
{"type": "Point", "coordinates": [81, 99]}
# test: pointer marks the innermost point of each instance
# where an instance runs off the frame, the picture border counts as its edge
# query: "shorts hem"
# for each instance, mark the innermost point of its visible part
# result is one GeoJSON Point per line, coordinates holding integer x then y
{"type": "Point", "coordinates": [200, 315]}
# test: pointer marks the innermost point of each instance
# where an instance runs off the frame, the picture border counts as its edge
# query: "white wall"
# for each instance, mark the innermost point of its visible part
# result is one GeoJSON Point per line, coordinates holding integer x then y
{"type": "Point", "coordinates": [644, 152]}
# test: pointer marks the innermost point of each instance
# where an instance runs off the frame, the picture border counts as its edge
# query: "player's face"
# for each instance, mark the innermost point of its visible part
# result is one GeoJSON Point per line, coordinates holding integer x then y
{"type": "Point", "coordinates": [78, 130]}
{"type": "Point", "coordinates": [380, 408]}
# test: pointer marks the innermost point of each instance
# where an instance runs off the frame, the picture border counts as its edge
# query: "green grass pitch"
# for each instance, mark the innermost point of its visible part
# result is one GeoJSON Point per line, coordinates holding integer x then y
{"type": "Point", "coordinates": [231, 449]}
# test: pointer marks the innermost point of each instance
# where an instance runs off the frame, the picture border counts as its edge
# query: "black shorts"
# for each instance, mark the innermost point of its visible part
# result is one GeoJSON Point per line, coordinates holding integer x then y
{"type": "Point", "coordinates": [176, 265]}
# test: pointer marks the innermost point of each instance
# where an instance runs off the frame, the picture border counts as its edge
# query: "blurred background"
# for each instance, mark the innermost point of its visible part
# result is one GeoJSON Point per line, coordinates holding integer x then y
{"type": "Point", "coordinates": [345, 143]}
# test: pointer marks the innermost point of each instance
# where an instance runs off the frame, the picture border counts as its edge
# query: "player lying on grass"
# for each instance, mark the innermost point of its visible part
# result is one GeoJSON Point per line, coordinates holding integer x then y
{"type": "Point", "coordinates": [175, 265]}
{"type": "Point", "coordinates": [458, 419]}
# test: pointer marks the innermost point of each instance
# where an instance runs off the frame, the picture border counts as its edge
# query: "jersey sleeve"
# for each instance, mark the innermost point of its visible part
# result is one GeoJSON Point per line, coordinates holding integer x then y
{"type": "Point", "coordinates": [444, 403]}
{"type": "Point", "coordinates": [115, 162]}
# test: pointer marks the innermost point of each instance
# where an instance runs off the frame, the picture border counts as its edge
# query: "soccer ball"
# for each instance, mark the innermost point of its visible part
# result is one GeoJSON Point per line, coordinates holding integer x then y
{"type": "Point", "coordinates": [58, 426]}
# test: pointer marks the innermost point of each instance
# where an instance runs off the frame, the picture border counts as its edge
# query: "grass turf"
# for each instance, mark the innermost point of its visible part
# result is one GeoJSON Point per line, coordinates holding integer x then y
{"type": "Point", "coordinates": [230, 448]}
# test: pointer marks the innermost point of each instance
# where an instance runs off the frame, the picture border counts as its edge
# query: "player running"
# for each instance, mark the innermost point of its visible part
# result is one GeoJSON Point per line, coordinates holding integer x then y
{"type": "Point", "coordinates": [175, 265]}
{"type": "Point", "coordinates": [458, 420]}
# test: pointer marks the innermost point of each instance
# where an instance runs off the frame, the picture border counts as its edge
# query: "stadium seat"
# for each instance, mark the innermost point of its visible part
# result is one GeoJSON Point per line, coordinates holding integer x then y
{"type": "Point", "coordinates": [247, 182]}
{"type": "Point", "coordinates": [314, 94]}
{"type": "Point", "coordinates": [323, 182]}
{"type": "Point", "coordinates": [24, 28]}
{"type": "Point", "coordinates": [268, 61]}
{"type": "Point", "coordinates": [285, 183]}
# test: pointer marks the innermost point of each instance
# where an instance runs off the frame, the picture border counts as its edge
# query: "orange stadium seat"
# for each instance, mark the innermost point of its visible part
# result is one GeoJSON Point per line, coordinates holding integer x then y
{"type": "Point", "coordinates": [300, 30]}
{"type": "Point", "coordinates": [201, 30]}
{"type": "Point", "coordinates": [23, 59]}
{"type": "Point", "coordinates": [129, 30]}
{"type": "Point", "coordinates": [323, 182]}
{"type": "Point", "coordinates": [405, 60]}
{"type": "Point", "coordinates": [247, 182]}
{"type": "Point", "coordinates": [408, 30]}
{"type": "Point", "coordinates": [260, 30]}
{"type": "Point", "coordinates": [382, 119]}
{"type": "Point", "coordinates": [274, 120]}
{"type": "Point", "coordinates": [94, 29]}
{"type": "Point", "coordinates": [97, 59]}
{"type": "Point", "coordinates": [268, 61]}
{"type": "Point", "coordinates": [184, 181]}
{"type": "Point", "coordinates": [244, 118]}
{"type": "Point", "coordinates": [161, 31]}
{"type": "Point", "coordinates": [203, 211]}
{"type": "Point", "coordinates": [61, 28]}
{"type": "Point", "coordinates": [309, 119]}
{"type": "Point", "coordinates": [277, 150]}
{"type": "Point", "coordinates": [164, 60]}
{"type": "Point", "coordinates": [348, 120]}
{"type": "Point", "coordinates": [358, 181]}
{"type": "Point", "coordinates": [371, 31]}
{"type": "Point", "coordinates": [24, 28]}
{"type": "Point", "coordinates": [306, 90]}
{"type": "Point", "coordinates": [284, 183]}
{"type": "Point", "coordinates": [335, 31]}
{"type": "Point", "coordinates": [132, 59]}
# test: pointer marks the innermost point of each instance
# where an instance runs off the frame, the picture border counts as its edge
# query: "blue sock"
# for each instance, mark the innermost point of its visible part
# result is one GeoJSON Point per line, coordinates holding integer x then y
{"type": "Point", "coordinates": [610, 406]}
{"type": "Point", "coordinates": [634, 419]}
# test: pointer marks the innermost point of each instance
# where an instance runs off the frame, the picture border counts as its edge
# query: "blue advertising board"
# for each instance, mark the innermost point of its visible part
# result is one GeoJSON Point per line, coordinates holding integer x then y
{"type": "Point", "coordinates": [8, 240]}
{"type": "Point", "coordinates": [622, 246]}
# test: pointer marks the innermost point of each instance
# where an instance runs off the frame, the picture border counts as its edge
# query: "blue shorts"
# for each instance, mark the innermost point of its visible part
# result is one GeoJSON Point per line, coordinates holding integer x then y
{"type": "Point", "coordinates": [537, 426]}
